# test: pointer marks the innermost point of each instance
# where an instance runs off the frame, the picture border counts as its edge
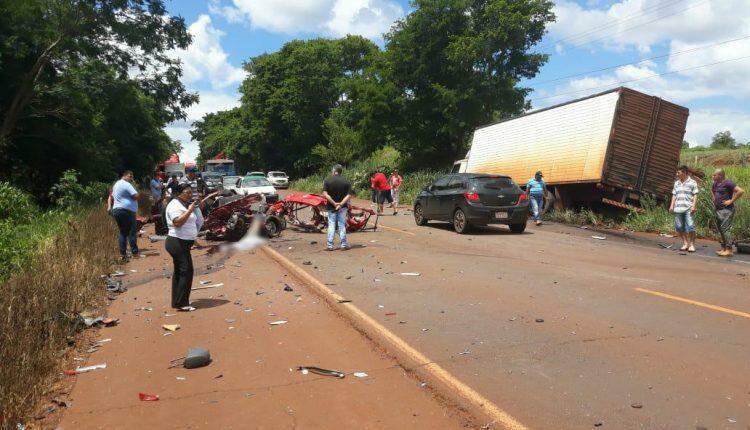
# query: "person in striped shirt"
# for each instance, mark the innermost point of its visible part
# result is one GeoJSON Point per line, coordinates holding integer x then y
{"type": "Point", "coordinates": [683, 206]}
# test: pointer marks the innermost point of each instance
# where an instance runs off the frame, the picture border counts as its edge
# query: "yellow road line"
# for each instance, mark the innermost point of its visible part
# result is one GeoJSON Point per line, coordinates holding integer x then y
{"type": "Point", "coordinates": [696, 303]}
{"type": "Point", "coordinates": [396, 230]}
{"type": "Point", "coordinates": [367, 323]}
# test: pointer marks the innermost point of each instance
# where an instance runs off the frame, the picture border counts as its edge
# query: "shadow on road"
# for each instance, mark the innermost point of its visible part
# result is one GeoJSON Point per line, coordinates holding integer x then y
{"type": "Point", "coordinates": [486, 230]}
{"type": "Point", "coordinates": [208, 303]}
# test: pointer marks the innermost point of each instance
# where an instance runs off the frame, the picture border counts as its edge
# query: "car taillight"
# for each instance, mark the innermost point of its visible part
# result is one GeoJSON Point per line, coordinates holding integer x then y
{"type": "Point", "coordinates": [521, 199]}
{"type": "Point", "coordinates": [472, 197]}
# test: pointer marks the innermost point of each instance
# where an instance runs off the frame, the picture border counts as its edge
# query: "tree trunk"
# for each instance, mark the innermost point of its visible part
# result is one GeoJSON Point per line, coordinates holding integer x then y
{"type": "Point", "coordinates": [25, 91]}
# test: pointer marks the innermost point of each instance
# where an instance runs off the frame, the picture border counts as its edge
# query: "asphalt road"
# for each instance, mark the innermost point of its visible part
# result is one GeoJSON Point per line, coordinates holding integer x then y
{"type": "Point", "coordinates": [560, 330]}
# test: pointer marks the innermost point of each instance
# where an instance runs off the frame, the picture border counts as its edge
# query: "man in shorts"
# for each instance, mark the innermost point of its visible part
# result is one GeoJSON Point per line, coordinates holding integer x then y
{"type": "Point", "coordinates": [683, 206]}
{"type": "Point", "coordinates": [725, 193]}
{"type": "Point", "coordinates": [380, 183]}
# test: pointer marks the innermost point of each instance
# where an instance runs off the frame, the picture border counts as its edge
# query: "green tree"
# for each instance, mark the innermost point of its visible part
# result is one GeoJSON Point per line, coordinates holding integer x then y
{"type": "Point", "coordinates": [457, 64]}
{"type": "Point", "coordinates": [226, 131]}
{"type": "Point", "coordinates": [723, 140]}
{"type": "Point", "coordinates": [40, 39]}
{"type": "Point", "coordinates": [685, 145]}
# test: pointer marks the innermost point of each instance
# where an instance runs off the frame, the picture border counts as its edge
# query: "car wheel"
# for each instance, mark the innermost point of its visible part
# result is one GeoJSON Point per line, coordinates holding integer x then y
{"type": "Point", "coordinates": [460, 223]}
{"type": "Point", "coordinates": [518, 228]}
{"type": "Point", "coordinates": [273, 227]}
{"type": "Point", "coordinates": [419, 215]}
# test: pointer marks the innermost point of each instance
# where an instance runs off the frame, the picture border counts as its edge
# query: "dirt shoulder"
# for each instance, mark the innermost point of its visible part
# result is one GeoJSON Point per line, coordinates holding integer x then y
{"type": "Point", "coordinates": [252, 381]}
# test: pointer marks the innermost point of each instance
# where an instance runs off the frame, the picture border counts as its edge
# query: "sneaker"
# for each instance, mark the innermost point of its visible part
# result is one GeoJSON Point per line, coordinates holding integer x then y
{"type": "Point", "coordinates": [538, 222]}
{"type": "Point", "coordinates": [344, 247]}
{"type": "Point", "coordinates": [329, 248]}
{"type": "Point", "coordinates": [691, 248]}
{"type": "Point", "coordinates": [684, 248]}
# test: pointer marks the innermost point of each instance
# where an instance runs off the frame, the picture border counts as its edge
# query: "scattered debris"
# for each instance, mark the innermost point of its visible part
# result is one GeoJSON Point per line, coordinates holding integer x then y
{"type": "Point", "coordinates": [230, 320]}
{"type": "Point", "coordinates": [360, 374]}
{"type": "Point", "coordinates": [319, 371]}
{"type": "Point", "coordinates": [280, 322]}
{"type": "Point", "coordinates": [666, 235]}
{"type": "Point", "coordinates": [345, 301]}
{"type": "Point", "coordinates": [195, 357]}
{"type": "Point", "coordinates": [411, 274]}
{"type": "Point", "coordinates": [260, 293]}
{"type": "Point", "coordinates": [599, 237]}
{"type": "Point", "coordinates": [539, 320]}
{"type": "Point", "coordinates": [636, 405]}
{"type": "Point", "coordinates": [206, 282]}
{"type": "Point", "coordinates": [390, 314]}
{"type": "Point", "coordinates": [148, 397]}
{"type": "Point", "coordinates": [171, 327]}
{"type": "Point", "coordinates": [79, 370]}
{"type": "Point", "coordinates": [665, 245]}
{"type": "Point", "coordinates": [307, 263]}
{"type": "Point", "coordinates": [156, 238]}
{"type": "Point", "coordinates": [287, 288]}
{"type": "Point", "coordinates": [118, 274]}
{"type": "Point", "coordinates": [220, 284]}
{"type": "Point", "coordinates": [114, 285]}
{"type": "Point", "coordinates": [181, 378]}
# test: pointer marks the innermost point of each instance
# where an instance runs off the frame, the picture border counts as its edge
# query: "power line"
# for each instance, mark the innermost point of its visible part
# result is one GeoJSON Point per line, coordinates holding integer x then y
{"type": "Point", "coordinates": [641, 24]}
{"type": "Point", "coordinates": [617, 84]}
{"type": "Point", "coordinates": [614, 22]}
{"type": "Point", "coordinates": [673, 54]}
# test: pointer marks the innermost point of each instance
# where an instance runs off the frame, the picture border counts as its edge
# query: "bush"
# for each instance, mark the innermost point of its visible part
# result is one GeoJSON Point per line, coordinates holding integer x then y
{"type": "Point", "coordinates": [16, 205]}
{"type": "Point", "coordinates": [68, 192]}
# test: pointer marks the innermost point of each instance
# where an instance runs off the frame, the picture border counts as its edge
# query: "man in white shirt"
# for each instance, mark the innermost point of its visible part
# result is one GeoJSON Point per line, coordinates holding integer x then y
{"type": "Point", "coordinates": [683, 205]}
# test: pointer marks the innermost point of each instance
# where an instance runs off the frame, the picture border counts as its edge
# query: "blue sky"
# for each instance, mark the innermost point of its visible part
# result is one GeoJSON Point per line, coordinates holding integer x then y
{"type": "Point", "coordinates": [700, 63]}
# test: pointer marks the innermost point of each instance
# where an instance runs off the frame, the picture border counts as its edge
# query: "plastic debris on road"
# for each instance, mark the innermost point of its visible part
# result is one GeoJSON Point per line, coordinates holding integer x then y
{"type": "Point", "coordinates": [145, 397]}
{"type": "Point", "coordinates": [320, 371]}
{"type": "Point", "coordinates": [195, 357]}
{"type": "Point", "coordinates": [220, 284]}
{"type": "Point", "coordinates": [287, 288]}
{"type": "Point", "coordinates": [171, 327]}
{"type": "Point", "coordinates": [599, 237]}
{"type": "Point", "coordinates": [79, 370]}
{"type": "Point", "coordinates": [280, 322]}
{"type": "Point", "coordinates": [411, 274]}
{"type": "Point", "coordinates": [360, 374]}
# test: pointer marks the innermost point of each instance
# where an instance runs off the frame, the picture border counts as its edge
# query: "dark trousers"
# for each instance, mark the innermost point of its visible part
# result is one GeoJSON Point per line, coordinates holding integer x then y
{"type": "Point", "coordinates": [127, 225]}
{"type": "Point", "coordinates": [182, 278]}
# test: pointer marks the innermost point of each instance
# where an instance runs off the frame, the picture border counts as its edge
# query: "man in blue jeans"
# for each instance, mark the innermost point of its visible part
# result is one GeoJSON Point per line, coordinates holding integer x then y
{"type": "Point", "coordinates": [124, 207]}
{"type": "Point", "coordinates": [337, 191]}
{"type": "Point", "coordinates": [535, 189]}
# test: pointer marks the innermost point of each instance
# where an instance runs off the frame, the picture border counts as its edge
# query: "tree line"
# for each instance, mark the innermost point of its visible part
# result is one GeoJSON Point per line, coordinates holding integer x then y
{"type": "Point", "coordinates": [87, 85]}
{"type": "Point", "coordinates": [447, 67]}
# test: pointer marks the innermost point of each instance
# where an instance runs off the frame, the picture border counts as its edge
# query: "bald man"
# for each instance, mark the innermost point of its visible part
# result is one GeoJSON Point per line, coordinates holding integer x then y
{"type": "Point", "coordinates": [725, 193]}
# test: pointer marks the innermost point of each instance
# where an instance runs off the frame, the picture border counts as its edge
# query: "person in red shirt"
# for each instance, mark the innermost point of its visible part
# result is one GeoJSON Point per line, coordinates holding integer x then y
{"type": "Point", "coordinates": [395, 181]}
{"type": "Point", "coordinates": [380, 183]}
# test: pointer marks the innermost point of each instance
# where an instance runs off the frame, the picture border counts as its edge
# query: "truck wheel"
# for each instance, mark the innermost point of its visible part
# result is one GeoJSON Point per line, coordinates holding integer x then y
{"type": "Point", "coordinates": [460, 223]}
{"type": "Point", "coordinates": [549, 202]}
{"type": "Point", "coordinates": [419, 218]}
{"type": "Point", "coordinates": [518, 228]}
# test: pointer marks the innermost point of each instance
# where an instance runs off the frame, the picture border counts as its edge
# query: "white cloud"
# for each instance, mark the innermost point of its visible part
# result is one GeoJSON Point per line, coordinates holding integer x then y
{"type": "Point", "coordinates": [368, 18]}
{"type": "Point", "coordinates": [704, 123]}
{"type": "Point", "coordinates": [205, 58]}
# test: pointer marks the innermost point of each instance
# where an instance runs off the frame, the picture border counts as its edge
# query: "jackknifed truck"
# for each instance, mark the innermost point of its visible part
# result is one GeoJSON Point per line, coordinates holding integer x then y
{"type": "Point", "coordinates": [613, 147]}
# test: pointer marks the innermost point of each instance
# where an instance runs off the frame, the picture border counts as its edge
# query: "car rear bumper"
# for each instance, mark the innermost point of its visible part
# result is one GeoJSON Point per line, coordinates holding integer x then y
{"type": "Point", "coordinates": [494, 214]}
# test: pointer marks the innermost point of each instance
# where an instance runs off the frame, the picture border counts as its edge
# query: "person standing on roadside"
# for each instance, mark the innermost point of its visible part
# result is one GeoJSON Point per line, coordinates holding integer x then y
{"type": "Point", "coordinates": [337, 190]}
{"type": "Point", "coordinates": [157, 188]}
{"type": "Point", "coordinates": [184, 220]}
{"type": "Point", "coordinates": [535, 190]}
{"type": "Point", "coordinates": [124, 206]}
{"type": "Point", "coordinates": [395, 180]}
{"type": "Point", "coordinates": [383, 190]}
{"type": "Point", "coordinates": [683, 206]}
{"type": "Point", "coordinates": [725, 193]}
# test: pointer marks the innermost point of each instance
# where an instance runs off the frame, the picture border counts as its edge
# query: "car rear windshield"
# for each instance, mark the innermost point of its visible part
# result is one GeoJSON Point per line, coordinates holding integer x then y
{"type": "Point", "coordinates": [494, 183]}
{"type": "Point", "coordinates": [255, 182]}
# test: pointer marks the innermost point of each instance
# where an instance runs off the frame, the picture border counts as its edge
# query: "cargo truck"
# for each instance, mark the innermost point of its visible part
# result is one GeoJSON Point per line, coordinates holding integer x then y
{"type": "Point", "coordinates": [613, 147]}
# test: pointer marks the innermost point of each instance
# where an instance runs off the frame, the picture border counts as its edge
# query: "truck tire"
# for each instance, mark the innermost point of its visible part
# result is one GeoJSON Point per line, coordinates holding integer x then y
{"type": "Point", "coordinates": [460, 223]}
{"type": "Point", "coordinates": [549, 201]}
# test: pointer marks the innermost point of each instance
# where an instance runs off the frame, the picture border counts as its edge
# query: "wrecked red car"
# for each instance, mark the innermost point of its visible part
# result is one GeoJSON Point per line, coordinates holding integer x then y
{"type": "Point", "coordinates": [230, 216]}
{"type": "Point", "coordinates": [308, 211]}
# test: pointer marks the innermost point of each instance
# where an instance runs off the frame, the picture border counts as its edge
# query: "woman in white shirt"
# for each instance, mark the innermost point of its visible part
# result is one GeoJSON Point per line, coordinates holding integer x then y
{"type": "Point", "coordinates": [184, 220]}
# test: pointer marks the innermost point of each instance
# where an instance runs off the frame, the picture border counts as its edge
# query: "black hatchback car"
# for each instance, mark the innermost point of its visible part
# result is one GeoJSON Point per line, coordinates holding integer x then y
{"type": "Point", "coordinates": [467, 199]}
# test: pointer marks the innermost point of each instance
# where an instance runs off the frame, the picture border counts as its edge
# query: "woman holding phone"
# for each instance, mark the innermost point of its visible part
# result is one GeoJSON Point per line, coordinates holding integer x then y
{"type": "Point", "coordinates": [184, 220]}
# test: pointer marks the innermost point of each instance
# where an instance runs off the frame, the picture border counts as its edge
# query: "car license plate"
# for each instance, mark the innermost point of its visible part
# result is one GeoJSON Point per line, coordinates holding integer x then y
{"type": "Point", "coordinates": [501, 215]}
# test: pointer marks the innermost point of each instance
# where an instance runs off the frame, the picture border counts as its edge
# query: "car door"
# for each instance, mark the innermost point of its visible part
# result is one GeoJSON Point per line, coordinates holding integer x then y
{"type": "Point", "coordinates": [432, 202]}
{"type": "Point", "coordinates": [454, 192]}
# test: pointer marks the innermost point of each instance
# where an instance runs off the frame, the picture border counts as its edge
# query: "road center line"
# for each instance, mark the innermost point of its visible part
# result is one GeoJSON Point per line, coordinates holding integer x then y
{"type": "Point", "coordinates": [396, 230]}
{"type": "Point", "coordinates": [695, 303]}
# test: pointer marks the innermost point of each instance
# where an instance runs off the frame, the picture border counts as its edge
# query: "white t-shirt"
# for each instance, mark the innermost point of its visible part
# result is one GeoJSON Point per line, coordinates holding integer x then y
{"type": "Point", "coordinates": [189, 230]}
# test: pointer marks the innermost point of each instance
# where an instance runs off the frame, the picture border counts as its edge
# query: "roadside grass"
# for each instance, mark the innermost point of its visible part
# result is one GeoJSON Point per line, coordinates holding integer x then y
{"type": "Point", "coordinates": [360, 172]}
{"type": "Point", "coordinates": [56, 260]}
{"type": "Point", "coordinates": [656, 218]}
